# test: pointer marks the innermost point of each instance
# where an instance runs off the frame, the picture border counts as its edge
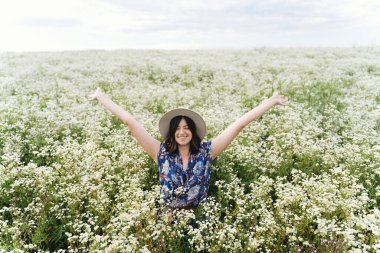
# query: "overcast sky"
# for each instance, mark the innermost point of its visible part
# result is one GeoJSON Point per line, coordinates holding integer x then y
{"type": "Point", "coordinates": [50, 25]}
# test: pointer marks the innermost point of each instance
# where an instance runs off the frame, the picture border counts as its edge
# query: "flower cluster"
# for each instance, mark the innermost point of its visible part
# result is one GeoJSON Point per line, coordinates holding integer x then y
{"type": "Point", "coordinates": [302, 178]}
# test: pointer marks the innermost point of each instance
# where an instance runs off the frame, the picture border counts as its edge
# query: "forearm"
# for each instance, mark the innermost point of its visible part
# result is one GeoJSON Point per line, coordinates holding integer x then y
{"type": "Point", "coordinates": [254, 113]}
{"type": "Point", "coordinates": [221, 142]}
{"type": "Point", "coordinates": [116, 110]}
{"type": "Point", "coordinates": [147, 142]}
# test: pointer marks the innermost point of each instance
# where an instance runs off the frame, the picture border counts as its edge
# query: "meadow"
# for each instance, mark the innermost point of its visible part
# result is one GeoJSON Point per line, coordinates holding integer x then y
{"type": "Point", "coordinates": [302, 178]}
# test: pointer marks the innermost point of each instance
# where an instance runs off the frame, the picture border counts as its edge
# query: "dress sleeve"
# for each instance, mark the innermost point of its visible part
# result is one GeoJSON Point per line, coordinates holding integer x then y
{"type": "Point", "coordinates": [161, 152]}
{"type": "Point", "coordinates": [205, 148]}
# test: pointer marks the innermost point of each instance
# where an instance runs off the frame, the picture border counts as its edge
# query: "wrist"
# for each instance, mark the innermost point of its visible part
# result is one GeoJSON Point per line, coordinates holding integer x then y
{"type": "Point", "coordinates": [271, 101]}
{"type": "Point", "coordinates": [100, 97]}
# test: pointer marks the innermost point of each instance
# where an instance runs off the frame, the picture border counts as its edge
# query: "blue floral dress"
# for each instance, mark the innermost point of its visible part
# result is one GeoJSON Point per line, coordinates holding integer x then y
{"type": "Point", "coordinates": [184, 188]}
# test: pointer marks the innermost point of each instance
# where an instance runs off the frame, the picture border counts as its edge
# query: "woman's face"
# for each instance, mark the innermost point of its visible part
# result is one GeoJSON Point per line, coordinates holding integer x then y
{"type": "Point", "coordinates": [183, 134]}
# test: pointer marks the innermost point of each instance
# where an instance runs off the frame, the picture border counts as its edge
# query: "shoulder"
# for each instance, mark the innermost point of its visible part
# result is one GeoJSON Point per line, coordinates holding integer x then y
{"type": "Point", "coordinates": [205, 151]}
{"type": "Point", "coordinates": [206, 145]}
{"type": "Point", "coordinates": [162, 151]}
{"type": "Point", "coordinates": [162, 148]}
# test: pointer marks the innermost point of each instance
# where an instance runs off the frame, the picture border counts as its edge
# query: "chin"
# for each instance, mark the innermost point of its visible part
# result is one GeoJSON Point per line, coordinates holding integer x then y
{"type": "Point", "coordinates": [183, 143]}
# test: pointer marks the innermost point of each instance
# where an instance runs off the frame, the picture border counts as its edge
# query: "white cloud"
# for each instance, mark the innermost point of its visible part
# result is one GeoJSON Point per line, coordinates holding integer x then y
{"type": "Point", "coordinates": [108, 24]}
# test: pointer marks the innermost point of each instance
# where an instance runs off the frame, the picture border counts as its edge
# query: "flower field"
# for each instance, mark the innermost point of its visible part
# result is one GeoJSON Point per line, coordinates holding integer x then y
{"type": "Point", "coordinates": [302, 178]}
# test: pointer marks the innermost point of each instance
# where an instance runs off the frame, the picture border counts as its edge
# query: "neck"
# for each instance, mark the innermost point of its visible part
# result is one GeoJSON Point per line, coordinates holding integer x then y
{"type": "Point", "coordinates": [184, 150]}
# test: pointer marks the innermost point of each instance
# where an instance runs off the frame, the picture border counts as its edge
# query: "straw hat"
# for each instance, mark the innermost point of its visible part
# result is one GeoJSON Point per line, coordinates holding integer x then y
{"type": "Point", "coordinates": [164, 122]}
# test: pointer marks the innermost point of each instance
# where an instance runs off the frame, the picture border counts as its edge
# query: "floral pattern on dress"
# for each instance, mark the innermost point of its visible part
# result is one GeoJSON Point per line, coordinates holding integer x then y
{"type": "Point", "coordinates": [184, 188]}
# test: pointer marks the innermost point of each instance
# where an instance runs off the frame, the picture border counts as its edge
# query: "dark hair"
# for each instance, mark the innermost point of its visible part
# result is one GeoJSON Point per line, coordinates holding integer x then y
{"type": "Point", "coordinates": [170, 142]}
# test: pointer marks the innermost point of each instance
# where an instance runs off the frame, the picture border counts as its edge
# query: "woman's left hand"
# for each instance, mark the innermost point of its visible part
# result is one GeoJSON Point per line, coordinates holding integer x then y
{"type": "Point", "coordinates": [279, 100]}
{"type": "Point", "coordinates": [96, 95]}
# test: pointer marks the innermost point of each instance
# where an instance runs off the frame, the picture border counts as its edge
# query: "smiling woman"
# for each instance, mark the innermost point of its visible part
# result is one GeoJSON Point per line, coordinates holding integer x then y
{"type": "Point", "coordinates": [182, 132]}
{"type": "Point", "coordinates": [184, 163]}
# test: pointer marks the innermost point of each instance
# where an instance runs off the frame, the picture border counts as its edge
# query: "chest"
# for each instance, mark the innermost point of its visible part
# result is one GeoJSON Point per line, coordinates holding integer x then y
{"type": "Point", "coordinates": [185, 162]}
{"type": "Point", "coordinates": [172, 165]}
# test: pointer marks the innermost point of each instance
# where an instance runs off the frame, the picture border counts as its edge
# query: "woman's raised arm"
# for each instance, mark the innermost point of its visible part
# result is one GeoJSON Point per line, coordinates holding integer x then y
{"type": "Point", "coordinates": [147, 142]}
{"type": "Point", "coordinates": [220, 143]}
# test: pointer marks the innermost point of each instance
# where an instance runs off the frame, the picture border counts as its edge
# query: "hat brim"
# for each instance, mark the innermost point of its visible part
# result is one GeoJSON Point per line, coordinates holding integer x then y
{"type": "Point", "coordinates": [164, 122]}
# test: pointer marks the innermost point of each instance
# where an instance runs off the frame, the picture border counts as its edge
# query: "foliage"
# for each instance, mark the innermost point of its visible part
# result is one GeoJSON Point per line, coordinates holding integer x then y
{"type": "Point", "coordinates": [303, 178]}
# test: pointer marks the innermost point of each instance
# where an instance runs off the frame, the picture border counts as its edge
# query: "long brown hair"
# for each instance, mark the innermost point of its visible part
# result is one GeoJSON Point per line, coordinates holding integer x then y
{"type": "Point", "coordinates": [170, 142]}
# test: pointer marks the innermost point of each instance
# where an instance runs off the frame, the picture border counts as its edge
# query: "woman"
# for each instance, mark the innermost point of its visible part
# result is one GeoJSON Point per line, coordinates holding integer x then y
{"type": "Point", "coordinates": [184, 161]}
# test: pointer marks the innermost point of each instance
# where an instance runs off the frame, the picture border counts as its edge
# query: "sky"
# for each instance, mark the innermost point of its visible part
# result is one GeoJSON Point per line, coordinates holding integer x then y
{"type": "Point", "coordinates": [52, 25]}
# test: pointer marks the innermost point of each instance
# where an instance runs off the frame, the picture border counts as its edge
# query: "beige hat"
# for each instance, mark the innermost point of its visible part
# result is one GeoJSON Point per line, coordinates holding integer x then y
{"type": "Point", "coordinates": [164, 123]}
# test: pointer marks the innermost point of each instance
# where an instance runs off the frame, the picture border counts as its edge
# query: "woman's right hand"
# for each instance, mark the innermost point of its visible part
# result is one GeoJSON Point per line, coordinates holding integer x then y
{"type": "Point", "coordinates": [96, 94]}
{"type": "Point", "coordinates": [278, 99]}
